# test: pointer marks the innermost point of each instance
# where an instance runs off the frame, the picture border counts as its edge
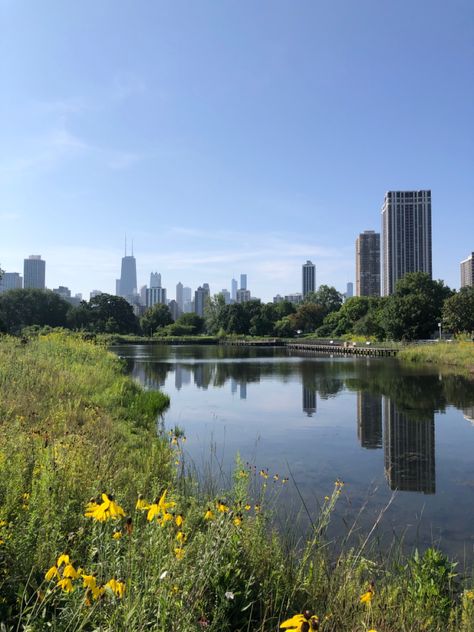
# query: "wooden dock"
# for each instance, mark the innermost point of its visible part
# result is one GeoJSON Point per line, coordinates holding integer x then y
{"type": "Point", "coordinates": [316, 346]}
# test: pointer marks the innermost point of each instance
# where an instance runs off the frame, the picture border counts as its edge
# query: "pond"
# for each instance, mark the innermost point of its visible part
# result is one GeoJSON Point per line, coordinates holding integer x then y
{"type": "Point", "coordinates": [401, 438]}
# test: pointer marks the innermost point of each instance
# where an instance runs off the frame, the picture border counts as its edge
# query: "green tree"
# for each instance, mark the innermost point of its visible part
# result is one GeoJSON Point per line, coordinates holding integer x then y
{"type": "Point", "coordinates": [308, 317]}
{"type": "Point", "coordinates": [192, 321]}
{"type": "Point", "coordinates": [326, 296]}
{"type": "Point", "coordinates": [105, 313]}
{"type": "Point", "coordinates": [458, 311]}
{"type": "Point", "coordinates": [414, 310]}
{"type": "Point", "coordinates": [155, 318]}
{"type": "Point", "coordinates": [22, 308]}
{"type": "Point", "coordinates": [213, 313]}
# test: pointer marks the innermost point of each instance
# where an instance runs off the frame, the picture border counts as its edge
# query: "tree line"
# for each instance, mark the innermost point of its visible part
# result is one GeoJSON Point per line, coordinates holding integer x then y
{"type": "Point", "coordinates": [413, 312]}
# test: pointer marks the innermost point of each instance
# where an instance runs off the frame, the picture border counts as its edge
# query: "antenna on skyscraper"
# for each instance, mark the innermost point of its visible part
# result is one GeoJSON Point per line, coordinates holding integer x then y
{"type": "Point", "coordinates": [125, 244]}
{"type": "Point", "coordinates": [132, 247]}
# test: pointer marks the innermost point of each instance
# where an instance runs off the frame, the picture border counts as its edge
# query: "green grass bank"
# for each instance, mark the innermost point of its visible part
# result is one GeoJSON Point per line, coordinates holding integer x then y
{"type": "Point", "coordinates": [456, 354]}
{"type": "Point", "coordinates": [78, 443]}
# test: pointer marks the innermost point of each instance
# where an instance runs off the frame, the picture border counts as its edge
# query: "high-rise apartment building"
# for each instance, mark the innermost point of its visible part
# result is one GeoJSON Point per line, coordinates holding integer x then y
{"type": "Point", "coordinates": [11, 281]}
{"type": "Point", "coordinates": [467, 271]}
{"type": "Point", "coordinates": [34, 272]}
{"type": "Point", "coordinates": [309, 277]}
{"type": "Point", "coordinates": [243, 296]}
{"type": "Point", "coordinates": [155, 295]}
{"type": "Point", "coordinates": [243, 281]}
{"type": "Point", "coordinates": [349, 290]}
{"type": "Point", "coordinates": [226, 295]}
{"type": "Point", "coordinates": [406, 235]}
{"type": "Point", "coordinates": [368, 264]}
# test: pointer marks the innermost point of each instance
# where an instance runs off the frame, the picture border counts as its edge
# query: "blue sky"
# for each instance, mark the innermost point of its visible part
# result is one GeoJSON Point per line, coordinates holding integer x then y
{"type": "Point", "coordinates": [228, 137]}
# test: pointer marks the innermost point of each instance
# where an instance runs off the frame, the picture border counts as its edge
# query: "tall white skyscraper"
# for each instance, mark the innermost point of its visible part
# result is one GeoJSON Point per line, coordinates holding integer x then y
{"type": "Point", "coordinates": [309, 277]}
{"type": "Point", "coordinates": [155, 279]}
{"type": "Point", "coordinates": [406, 235]}
{"type": "Point", "coordinates": [34, 272]}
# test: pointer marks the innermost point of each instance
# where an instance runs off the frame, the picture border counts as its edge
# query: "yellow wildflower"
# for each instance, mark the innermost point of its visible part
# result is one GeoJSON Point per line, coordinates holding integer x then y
{"type": "Point", "coordinates": [222, 507]}
{"type": "Point", "coordinates": [141, 503]}
{"type": "Point", "coordinates": [117, 535]}
{"type": "Point", "coordinates": [367, 597]}
{"type": "Point", "coordinates": [108, 508]}
{"type": "Point", "coordinates": [264, 473]}
{"type": "Point", "coordinates": [62, 559]}
{"type": "Point", "coordinates": [89, 581]}
{"type": "Point", "coordinates": [326, 497]}
{"type": "Point", "coordinates": [180, 537]}
{"type": "Point", "coordinates": [53, 572]}
{"type": "Point", "coordinates": [247, 507]}
{"type": "Point", "coordinates": [179, 520]}
{"type": "Point", "coordinates": [238, 520]}
{"type": "Point", "coordinates": [179, 552]}
{"type": "Point", "coordinates": [276, 477]}
{"type": "Point", "coordinates": [242, 474]}
{"type": "Point", "coordinates": [70, 571]}
{"type": "Point", "coordinates": [159, 506]}
{"type": "Point", "coordinates": [284, 480]}
{"type": "Point", "coordinates": [117, 587]}
{"type": "Point", "coordinates": [257, 508]}
{"type": "Point", "coordinates": [65, 584]}
{"type": "Point", "coordinates": [469, 594]}
{"type": "Point", "coordinates": [208, 515]}
{"type": "Point", "coordinates": [301, 622]}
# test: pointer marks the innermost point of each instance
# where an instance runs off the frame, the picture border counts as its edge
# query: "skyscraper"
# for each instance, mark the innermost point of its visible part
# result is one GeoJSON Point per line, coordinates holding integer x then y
{"type": "Point", "coordinates": [233, 289]}
{"type": "Point", "coordinates": [127, 285]}
{"type": "Point", "coordinates": [349, 289]}
{"type": "Point", "coordinates": [179, 295]}
{"type": "Point", "coordinates": [201, 296]}
{"type": "Point", "coordinates": [368, 264]}
{"type": "Point", "coordinates": [309, 277]}
{"type": "Point", "coordinates": [467, 271]}
{"type": "Point", "coordinates": [406, 235]}
{"type": "Point", "coordinates": [243, 281]}
{"type": "Point", "coordinates": [155, 279]}
{"type": "Point", "coordinates": [34, 272]}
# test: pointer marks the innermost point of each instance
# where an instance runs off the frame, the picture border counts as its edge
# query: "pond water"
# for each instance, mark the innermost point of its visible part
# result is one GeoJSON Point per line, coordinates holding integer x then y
{"type": "Point", "coordinates": [401, 438]}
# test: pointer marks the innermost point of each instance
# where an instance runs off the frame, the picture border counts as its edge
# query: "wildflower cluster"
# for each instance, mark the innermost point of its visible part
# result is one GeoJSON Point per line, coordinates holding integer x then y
{"type": "Point", "coordinates": [104, 508]}
{"type": "Point", "coordinates": [301, 622]}
{"type": "Point", "coordinates": [67, 577]}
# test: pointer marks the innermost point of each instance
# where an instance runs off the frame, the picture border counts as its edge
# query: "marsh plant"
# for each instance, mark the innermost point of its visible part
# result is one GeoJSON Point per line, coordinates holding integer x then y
{"type": "Point", "coordinates": [103, 528]}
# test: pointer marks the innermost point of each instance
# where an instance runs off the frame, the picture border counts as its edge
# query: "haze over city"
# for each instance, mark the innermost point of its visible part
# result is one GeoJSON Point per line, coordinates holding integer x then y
{"type": "Point", "coordinates": [228, 138]}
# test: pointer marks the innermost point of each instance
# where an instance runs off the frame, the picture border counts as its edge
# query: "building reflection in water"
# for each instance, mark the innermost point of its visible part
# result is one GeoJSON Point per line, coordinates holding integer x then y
{"type": "Point", "coordinates": [243, 390]}
{"type": "Point", "coordinates": [409, 450]}
{"type": "Point", "coordinates": [309, 400]}
{"type": "Point", "coordinates": [369, 420]}
{"type": "Point", "coordinates": [469, 414]}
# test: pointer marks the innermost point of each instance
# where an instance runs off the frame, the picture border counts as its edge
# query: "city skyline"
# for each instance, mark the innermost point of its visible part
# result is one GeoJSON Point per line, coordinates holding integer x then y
{"type": "Point", "coordinates": [218, 157]}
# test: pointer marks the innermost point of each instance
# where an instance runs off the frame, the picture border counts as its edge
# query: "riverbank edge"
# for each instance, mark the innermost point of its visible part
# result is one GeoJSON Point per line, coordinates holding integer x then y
{"type": "Point", "coordinates": [252, 565]}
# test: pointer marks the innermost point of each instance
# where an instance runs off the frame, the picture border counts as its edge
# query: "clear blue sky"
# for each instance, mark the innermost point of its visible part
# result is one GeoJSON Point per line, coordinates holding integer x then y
{"type": "Point", "coordinates": [230, 137]}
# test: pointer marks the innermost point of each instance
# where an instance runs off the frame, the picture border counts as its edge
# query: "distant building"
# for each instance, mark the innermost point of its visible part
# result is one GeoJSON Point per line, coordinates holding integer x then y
{"type": "Point", "coordinates": [155, 295]}
{"type": "Point", "coordinates": [128, 278]}
{"type": "Point", "coordinates": [142, 294]}
{"type": "Point", "coordinates": [34, 272]}
{"type": "Point", "coordinates": [243, 296]}
{"type": "Point", "coordinates": [155, 279]}
{"type": "Point", "coordinates": [11, 281]}
{"type": "Point", "coordinates": [349, 290]}
{"type": "Point", "coordinates": [467, 271]}
{"type": "Point", "coordinates": [201, 296]}
{"type": "Point", "coordinates": [308, 278]}
{"type": "Point", "coordinates": [309, 400]}
{"type": "Point", "coordinates": [226, 295]}
{"type": "Point", "coordinates": [233, 289]}
{"type": "Point", "coordinates": [95, 293]}
{"type": "Point", "coordinates": [188, 303]}
{"type": "Point", "coordinates": [278, 299]}
{"type": "Point", "coordinates": [174, 309]}
{"type": "Point", "coordinates": [243, 281]}
{"type": "Point", "coordinates": [406, 236]}
{"type": "Point", "coordinates": [179, 295]}
{"type": "Point", "coordinates": [294, 298]}
{"type": "Point", "coordinates": [368, 264]}
{"type": "Point", "coordinates": [63, 291]}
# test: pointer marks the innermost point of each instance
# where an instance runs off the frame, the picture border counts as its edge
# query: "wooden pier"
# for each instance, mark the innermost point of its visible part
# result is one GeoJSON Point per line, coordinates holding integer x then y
{"type": "Point", "coordinates": [317, 346]}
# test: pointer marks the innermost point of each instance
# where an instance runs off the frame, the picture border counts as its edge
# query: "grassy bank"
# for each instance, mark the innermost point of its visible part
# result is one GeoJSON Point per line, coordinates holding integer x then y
{"type": "Point", "coordinates": [122, 339]}
{"type": "Point", "coordinates": [73, 427]}
{"type": "Point", "coordinates": [459, 355]}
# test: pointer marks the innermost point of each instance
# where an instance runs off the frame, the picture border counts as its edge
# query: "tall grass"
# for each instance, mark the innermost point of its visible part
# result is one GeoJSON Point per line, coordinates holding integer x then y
{"type": "Point", "coordinates": [458, 354]}
{"type": "Point", "coordinates": [73, 426]}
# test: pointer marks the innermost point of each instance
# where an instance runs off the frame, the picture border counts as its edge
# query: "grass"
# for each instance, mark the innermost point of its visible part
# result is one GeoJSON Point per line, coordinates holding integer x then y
{"type": "Point", "coordinates": [459, 355]}
{"type": "Point", "coordinates": [72, 426]}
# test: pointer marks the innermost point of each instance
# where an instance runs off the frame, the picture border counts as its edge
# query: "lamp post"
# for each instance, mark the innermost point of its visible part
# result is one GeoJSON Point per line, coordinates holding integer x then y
{"type": "Point", "coordinates": [439, 325]}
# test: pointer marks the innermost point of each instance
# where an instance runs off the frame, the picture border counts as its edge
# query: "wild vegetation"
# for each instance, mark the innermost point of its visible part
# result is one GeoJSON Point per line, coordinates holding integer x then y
{"type": "Point", "coordinates": [101, 528]}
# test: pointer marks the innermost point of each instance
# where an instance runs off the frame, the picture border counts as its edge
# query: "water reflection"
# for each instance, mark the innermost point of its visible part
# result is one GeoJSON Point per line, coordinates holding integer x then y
{"type": "Point", "coordinates": [394, 408]}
